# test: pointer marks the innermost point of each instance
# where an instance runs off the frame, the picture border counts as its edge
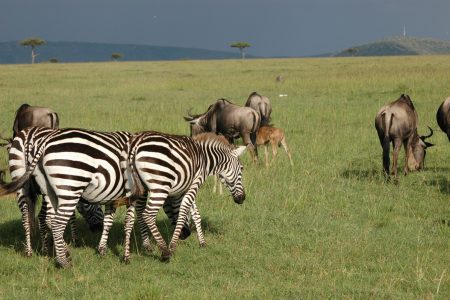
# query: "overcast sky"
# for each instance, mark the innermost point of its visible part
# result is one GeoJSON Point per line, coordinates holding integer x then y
{"type": "Point", "coordinates": [272, 27]}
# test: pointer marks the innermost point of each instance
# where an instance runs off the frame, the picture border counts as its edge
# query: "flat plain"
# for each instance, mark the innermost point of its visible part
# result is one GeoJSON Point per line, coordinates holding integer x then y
{"type": "Point", "coordinates": [329, 227]}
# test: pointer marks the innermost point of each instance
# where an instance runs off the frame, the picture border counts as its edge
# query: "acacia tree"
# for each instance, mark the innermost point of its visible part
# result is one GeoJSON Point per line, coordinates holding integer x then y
{"type": "Point", "coordinates": [116, 56]}
{"type": "Point", "coordinates": [33, 43]}
{"type": "Point", "coordinates": [241, 46]}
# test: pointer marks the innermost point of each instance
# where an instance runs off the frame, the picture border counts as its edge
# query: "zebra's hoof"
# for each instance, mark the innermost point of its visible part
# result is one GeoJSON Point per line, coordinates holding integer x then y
{"type": "Point", "coordinates": [148, 248]}
{"type": "Point", "coordinates": [63, 264]}
{"type": "Point", "coordinates": [202, 244]}
{"type": "Point", "coordinates": [101, 251]}
{"type": "Point", "coordinates": [126, 260]}
{"type": "Point", "coordinates": [28, 253]}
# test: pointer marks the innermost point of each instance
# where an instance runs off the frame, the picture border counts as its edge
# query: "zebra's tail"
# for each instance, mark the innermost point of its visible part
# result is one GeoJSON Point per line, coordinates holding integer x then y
{"type": "Point", "coordinates": [9, 188]}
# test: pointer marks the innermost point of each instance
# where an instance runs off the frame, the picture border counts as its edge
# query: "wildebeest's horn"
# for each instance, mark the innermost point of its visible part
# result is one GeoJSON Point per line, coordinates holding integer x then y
{"type": "Point", "coordinates": [423, 137]}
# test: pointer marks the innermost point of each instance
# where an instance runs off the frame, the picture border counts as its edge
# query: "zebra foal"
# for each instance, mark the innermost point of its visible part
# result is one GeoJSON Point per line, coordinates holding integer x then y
{"type": "Point", "coordinates": [171, 169]}
{"type": "Point", "coordinates": [69, 164]}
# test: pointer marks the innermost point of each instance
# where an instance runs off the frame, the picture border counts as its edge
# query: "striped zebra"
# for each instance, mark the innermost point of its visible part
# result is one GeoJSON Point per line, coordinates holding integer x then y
{"type": "Point", "coordinates": [172, 169]}
{"type": "Point", "coordinates": [69, 164]}
{"type": "Point", "coordinates": [27, 196]}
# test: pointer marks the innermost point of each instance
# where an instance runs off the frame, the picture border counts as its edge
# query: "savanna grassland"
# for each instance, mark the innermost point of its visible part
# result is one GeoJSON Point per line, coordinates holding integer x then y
{"type": "Point", "coordinates": [329, 227]}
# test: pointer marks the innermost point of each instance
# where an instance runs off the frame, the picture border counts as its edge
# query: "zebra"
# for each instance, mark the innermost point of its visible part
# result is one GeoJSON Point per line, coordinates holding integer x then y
{"type": "Point", "coordinates": [172, 168]}
{"type": "Point", "coordinates": [68, 164]}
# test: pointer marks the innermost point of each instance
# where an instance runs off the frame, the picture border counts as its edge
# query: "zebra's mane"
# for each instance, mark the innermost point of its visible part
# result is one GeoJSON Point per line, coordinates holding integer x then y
{"type": "Point", "coordinates": [209, 136]}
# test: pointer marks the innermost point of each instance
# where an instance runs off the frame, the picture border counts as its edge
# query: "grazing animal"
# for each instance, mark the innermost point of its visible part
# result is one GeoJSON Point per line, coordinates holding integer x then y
{"type": "Point", "coordinates": [230, 120]}
{"type": "Point", "coordinates": [70, 164]}
{"type": "Point", "coordinates": [262, 105]}
{"type": "Point", "coordinates": [443, 117]}
{"type": "Point", "coordinates": [29, 116]}
{"type": "Point", "coordinates": [173, 168]}
{"type": "Point", "coordinates": [276, 138]}
{"type": "Point", "coordinates": [396, 122]}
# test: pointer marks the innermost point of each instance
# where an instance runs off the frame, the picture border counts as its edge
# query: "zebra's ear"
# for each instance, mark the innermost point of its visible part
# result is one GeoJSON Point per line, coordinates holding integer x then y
{"type": "Point", "coordinates": [239, 150]}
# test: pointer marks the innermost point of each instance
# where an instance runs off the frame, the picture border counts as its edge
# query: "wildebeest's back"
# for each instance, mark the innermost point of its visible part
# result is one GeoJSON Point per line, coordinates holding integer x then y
{"type": "Point", "coordinates": [237, 119]}
{"type": "Point", "coordinates": [443, 116]}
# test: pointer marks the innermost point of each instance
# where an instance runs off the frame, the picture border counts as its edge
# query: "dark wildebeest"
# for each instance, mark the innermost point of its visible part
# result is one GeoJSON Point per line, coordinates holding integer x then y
{"type": "Point", "coordinates": [29, 116]}
{"type": "Point", "coordinates": [396, 122]}
{"type": "Point", "coordinates": [443, 117]}
{"type": "Point", "coordinates": [230, 120]}
{"type": "Point", "coordinates": [262, 105]}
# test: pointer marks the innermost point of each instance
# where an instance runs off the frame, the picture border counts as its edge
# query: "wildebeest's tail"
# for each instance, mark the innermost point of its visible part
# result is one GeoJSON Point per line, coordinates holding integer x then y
{"type": "Point", "coordinates": [387, 122]}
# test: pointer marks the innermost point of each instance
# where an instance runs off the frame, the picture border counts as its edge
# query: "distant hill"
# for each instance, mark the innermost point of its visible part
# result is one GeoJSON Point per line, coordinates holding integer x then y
{"type": "Point", "coordinates": [14, 53]}
{"type": "Point", "coordinates": [398, 46]}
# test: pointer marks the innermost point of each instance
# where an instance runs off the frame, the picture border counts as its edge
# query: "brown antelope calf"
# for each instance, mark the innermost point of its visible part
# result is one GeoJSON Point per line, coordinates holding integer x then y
{"type": "Point", "coordinates": [275, 137]}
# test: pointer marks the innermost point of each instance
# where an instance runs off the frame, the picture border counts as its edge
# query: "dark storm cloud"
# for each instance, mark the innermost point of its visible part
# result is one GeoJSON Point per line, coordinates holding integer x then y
{"type": "Point", "coordinates": [273, 27]}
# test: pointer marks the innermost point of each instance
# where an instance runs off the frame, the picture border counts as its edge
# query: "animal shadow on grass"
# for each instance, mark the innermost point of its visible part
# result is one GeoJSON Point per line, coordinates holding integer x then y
{"type": "Point", "coordinates": [12, 235]}
{"type": "Point", "coordinates": [442, 183]}
{"type": "Point", "coordinates": [362, 175]}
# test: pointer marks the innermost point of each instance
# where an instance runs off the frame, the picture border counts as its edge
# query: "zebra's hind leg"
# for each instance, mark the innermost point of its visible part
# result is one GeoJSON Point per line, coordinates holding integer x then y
{"type": "Point", "coordinates": [73, 230]}
{"type": "Point", "coordinates": [22, 200]}
{"type": "Point", "coordinates": [44, 222]}
{"type": "Point", "coordinates": [129, 223]}
{"type": "Point", "coordinates": [140, 205]}
{"type": "Point", "coordinates": [156, 200]}
{"type": "Point", "coordinates": [59, 223]}
{"type": "Point", "coordinates": [107, 224]}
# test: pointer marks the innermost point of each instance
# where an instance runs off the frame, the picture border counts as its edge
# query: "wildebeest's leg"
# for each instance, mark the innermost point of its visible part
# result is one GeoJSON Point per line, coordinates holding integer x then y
{"type": "Point", "coordinates": [285, 146]}
{"type": "Point", "coordinates": [248, 142]}
{"type": "Point", "coordinates": [266, 155]}
{"type": "Point", "coordinates": [274, 146]}
{"type": "Point", "coordinates": [410, 161]}
{"type": "Point", "coordinates": [110, 211]}
{"type": "Point", "coordinates": [397, 145]}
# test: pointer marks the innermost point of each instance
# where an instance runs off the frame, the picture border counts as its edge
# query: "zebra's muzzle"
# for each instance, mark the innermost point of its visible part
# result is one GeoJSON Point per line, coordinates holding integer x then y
{"type": "Point", "coordinates": [239, 199]}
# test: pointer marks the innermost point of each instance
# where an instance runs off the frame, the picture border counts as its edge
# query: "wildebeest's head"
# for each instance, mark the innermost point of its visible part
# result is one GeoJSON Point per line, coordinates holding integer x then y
{"type": "Point", "coordinates": [200, 123]}
{"type": "Point", "coordinates": [419, 146]}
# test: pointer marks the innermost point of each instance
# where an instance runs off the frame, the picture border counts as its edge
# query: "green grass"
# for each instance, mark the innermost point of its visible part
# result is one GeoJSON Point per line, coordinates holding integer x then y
{"type": "Point", "coordinates": [330, 227]}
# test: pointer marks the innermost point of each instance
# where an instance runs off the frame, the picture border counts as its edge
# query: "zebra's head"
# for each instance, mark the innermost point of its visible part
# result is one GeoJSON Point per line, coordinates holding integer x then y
{"type": "Point", "coordinates": [92, 214]}
{"type": "Point", "coordinates": [231, 175]}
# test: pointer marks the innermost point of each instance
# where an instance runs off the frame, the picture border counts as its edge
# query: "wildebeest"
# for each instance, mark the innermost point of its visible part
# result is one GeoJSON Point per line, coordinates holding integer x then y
{"type": "Point", "coordinates": [396, 122]}
{"type": "Point", "coordinates": [262, 105]}
{"type": "Point", "coordinates": [276, 138]}
{"type": "Point", "coordinates": [443, 117]}
{"type": "Point", "coordinates": [28, 116]}
{"type": "Point", "coordinates": [230, 120]}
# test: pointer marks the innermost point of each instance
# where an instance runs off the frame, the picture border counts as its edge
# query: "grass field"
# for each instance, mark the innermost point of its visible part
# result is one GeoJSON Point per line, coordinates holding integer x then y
{"type": "Point", "coordinates": [330, 227]}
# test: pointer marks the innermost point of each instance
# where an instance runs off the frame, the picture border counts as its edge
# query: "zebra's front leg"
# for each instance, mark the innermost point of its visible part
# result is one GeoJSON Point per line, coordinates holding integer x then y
{"type": "Point", "coordinates": [107, 224]}
{"type": "Point", "coordinates": [183, 215]}
{"type": "Point", "coordinates": [129, 223]}
{"type": "Point", "coordinates": [198, 224]}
